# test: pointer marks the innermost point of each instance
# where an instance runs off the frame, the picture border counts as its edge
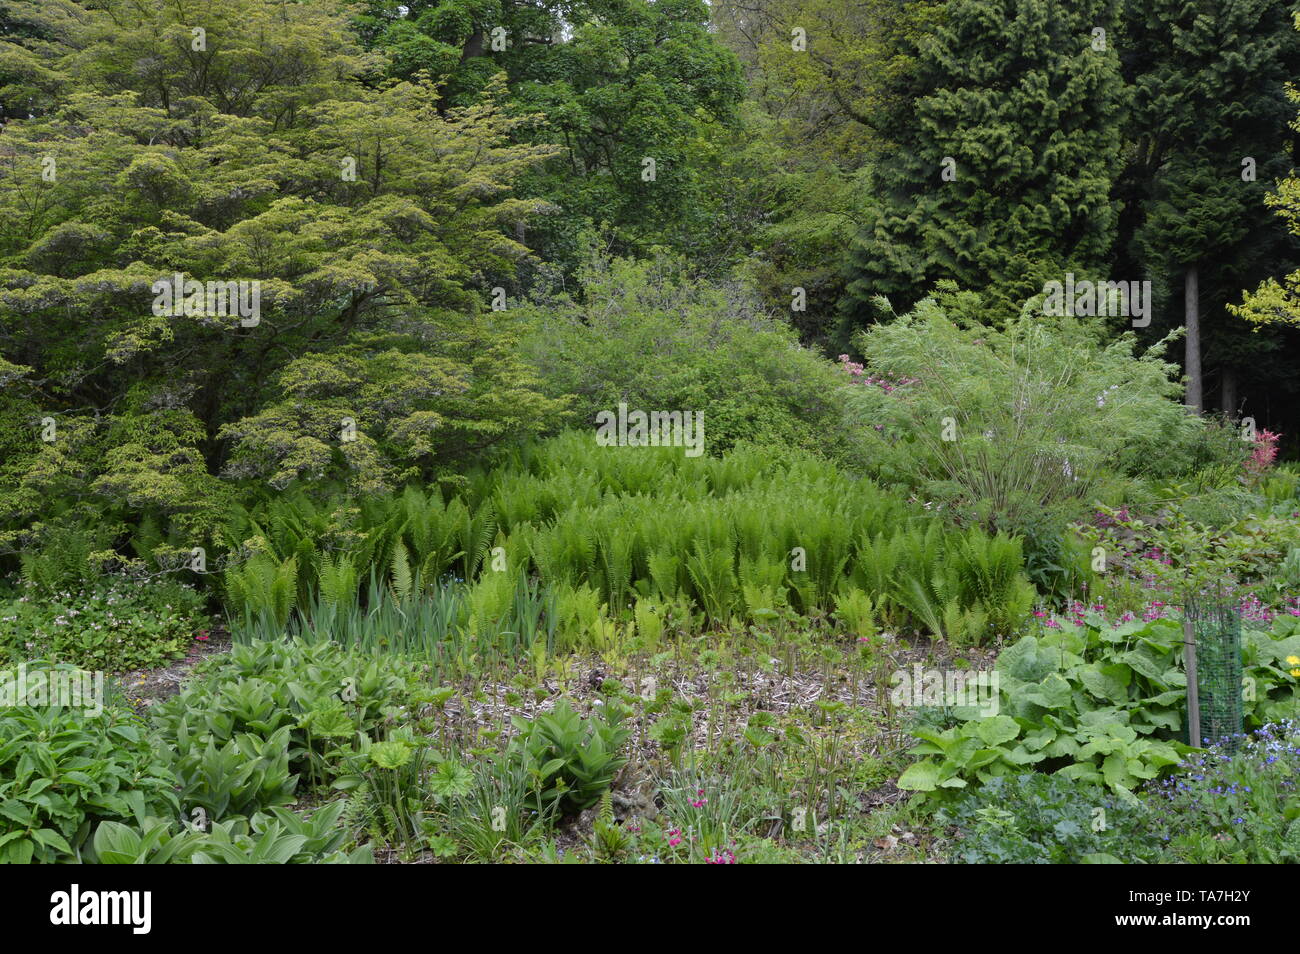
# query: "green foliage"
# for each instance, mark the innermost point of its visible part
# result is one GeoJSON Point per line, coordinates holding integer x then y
{"type": "Point", "coordinates": [816, 118]}
{"type": "Point", "coordinates": [65, 770]}
{"type": "Point", "coordinates": [286, 705]}
{"type": "Point", "coordinates": [1006, 426]}
{"type": "Point", "coordinates": [1234, 805]}
{"type": "Point", "coordinates": [616, 83]}
{"type": "Point", "coordinates": [65, 562]}
{"type": "Point", "coordinates": [1076, 701]}
{"type": "Point", "coordinates": [570, 760]}
{"type": "Point", "coordinates": [496, 813]}
{"type": "Point", "coordinates": [393, 771]}
{"type": "Point", "coordinates": [1017, 97]}
{"type": "Point", "coordinates": [602, 529]}
{"type": "Point", "coordinates": [501, 615]}
{"type": "Point", "coordinates": [1181, 556]}
{"type": "Point", "coordinates": [1098, 702]}
{"type": "Point", "coordinates": [1049, 819]}
{"type": "Point", "coordinates": [275, 837]}
{"type": "Point", "coordinates": [248, 774]}
{"type": "Point", "coordinates": [699, 347]}
{"type": "Point", "coordinates": [112, 625]}
{"type": "Point", "coordinates": [261, 586]}
{"type": "Point", "coordinates": [1200, 209]}
{"type": "Point", "coordinates": [235, 163]}
{"type": "Point", "coordinates": [1272, 686]}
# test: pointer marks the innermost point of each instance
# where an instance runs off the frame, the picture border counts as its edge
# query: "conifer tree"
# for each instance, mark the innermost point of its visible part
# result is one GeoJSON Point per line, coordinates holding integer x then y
{"type": "Point", "coordinates": [1005, 143]}
{"type": "Point", "coordinates": [1210, 133]}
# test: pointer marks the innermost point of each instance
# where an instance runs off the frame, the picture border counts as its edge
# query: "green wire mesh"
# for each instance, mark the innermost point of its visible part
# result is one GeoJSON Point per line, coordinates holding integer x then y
{"type": "Point", "coordinates": [1217, 624]}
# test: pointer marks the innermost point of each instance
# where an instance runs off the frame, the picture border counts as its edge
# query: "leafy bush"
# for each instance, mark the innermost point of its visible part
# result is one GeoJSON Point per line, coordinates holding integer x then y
{"type": "Point", "coordinates": [306, 700]}
{"type": "Point", "coordinates": [571, 760]}
{"type": "Point", "coordinates": [1269, 666]}
{"type": "Point", "coordinates": [1096, 701]}
{"type": "Point", "coordinates": [710, 349]}
{"type": "Point", "coordinates": [1076, 700]}
{"type": "Point", "coordinates": [1007, 424]}
{"type": "Point", "coordinates": [1049, 819]}
{"type": "Point", "coordinates": [113, 625]}
{"type": "Point", "coordinates": [1234, 804]}
{"type": "Point", "coordinates": [394, 335]}
{"type": "Point", "coordinates": [63, 771]}
{"type": "Point", "coordinates": [1178, 555]}
{"type": "Point", "coordinates": [275, 837]}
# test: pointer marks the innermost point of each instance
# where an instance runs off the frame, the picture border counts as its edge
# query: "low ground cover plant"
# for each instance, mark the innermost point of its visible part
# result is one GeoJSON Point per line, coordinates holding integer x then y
{"type": "Point", "coordinates": [1099, 701]}
{"type": "Point", "coordinates": [112, 624]}
{"type": "Point", "coordinates": [64, 771]}
{"type": "Point", "coordinates": [1235, 802]}
{"type": "Point", "coordinates": [1049, 819]}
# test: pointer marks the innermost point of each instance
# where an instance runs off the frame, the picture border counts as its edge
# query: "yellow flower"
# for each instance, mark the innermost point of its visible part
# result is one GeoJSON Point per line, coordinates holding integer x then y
{"type": "Point", "coordinates": [1296, 673]}
{"type": "Point", "coordinates": [1293, 660]}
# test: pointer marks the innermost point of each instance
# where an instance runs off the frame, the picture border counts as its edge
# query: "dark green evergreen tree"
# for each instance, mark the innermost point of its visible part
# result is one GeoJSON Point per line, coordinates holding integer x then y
{"type": "Point", "coordinates": [1024, 97]}
{"type": "Point", "coordinates": [1210, 136]}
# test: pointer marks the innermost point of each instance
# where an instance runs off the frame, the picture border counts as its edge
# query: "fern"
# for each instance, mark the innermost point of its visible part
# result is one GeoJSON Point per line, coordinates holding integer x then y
{"type": "Point", "coordinates": [665, 568]}
{"type": "Point", "coordinates": [474, 536]}
{"type": "Point", "coordinates": [402, 581]}
{"type": "Point", "coordinates": [715, 582]}
{"type": "Point", "coordinates": [616, 569]}
{"type": "Point", "coordinates": [338, 582]}
{"type": "Point", "coordinates": [263, 587]}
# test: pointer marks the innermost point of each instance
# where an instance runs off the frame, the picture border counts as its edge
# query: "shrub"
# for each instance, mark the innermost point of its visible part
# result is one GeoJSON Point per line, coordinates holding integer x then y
{"type": "Point", "coordinates": [698, 348]}
{"type": "Point", "coordinates": [63, 771]}
{"type": "Point", "coordinates": [1005, 424]}
{"type": "Point", "coordinates": [1048, 819]}
{"type": "Point", "coordinates": [112, 625]}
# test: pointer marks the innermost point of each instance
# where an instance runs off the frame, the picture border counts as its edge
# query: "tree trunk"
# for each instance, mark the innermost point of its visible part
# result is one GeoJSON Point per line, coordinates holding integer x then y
{"type": "Point", "coordinates": [1228, 393]}
{"type": "Point", "coordinates": [473, 46]}
{"type": "Point", "coordinates": [1192, 321]}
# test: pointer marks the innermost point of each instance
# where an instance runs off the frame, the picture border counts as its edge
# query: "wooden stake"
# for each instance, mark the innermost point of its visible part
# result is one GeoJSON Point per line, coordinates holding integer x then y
{"type": "Point", "coordinates": [1193, 690]}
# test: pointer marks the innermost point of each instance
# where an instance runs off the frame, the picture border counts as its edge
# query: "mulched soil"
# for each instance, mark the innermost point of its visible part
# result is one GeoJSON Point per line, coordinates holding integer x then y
{"type": "Point", "coordinates": [490, 704]}
{"type": "Point", "coordinates": [146, 687]}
